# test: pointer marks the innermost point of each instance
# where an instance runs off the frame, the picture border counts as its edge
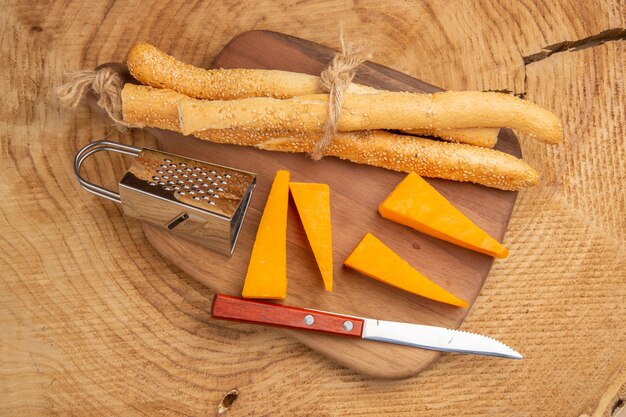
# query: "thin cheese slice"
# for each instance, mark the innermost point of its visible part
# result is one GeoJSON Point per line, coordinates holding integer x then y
{"type": "Point", "coordinates": [416, 204]}
{"type": "Point", "coordinates": [267, 270]}
{"type": "Point", "coordinates": [373, 258]}
{"type": "Point", "coordinates": [313, 203]}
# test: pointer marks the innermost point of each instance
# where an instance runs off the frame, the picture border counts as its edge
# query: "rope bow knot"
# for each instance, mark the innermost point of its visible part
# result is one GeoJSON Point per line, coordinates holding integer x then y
{"type": "Point", "coordinates": [106, 83]}
{"type": "Point", "coordinates": [335, 80]}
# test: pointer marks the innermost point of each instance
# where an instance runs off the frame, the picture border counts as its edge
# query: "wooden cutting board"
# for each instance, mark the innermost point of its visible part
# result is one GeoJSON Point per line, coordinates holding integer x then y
{"type": "Point", "coordinates": [356, 191]}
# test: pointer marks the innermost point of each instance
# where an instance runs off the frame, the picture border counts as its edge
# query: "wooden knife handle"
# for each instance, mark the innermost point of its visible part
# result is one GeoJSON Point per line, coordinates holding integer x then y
{"type": "Point", "coordinates": [226, 307]}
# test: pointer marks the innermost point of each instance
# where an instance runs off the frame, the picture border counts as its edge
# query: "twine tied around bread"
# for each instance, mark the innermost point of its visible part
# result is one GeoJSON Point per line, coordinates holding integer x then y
{"type": "Point", "coordinates": [335, 80]}
{"type": "Point", "coordinates": [106, 83]}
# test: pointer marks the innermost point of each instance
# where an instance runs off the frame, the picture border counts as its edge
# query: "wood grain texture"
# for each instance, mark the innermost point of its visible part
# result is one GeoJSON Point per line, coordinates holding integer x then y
{"type": "Point", "coordinates": [93, 321]}
{"type": "Point", "coordinates": [354, 213]}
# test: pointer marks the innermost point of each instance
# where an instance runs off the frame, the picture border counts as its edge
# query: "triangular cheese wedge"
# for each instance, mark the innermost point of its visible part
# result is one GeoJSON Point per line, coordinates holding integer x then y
{"type": "Point", "coordinates": [267, 270]}
{"type": "Point", "coordinates": [416, 204]}
{"type": "Point", "coordinates": [372, 258]}
{"type": "Point", "coordinates": [313, 203]}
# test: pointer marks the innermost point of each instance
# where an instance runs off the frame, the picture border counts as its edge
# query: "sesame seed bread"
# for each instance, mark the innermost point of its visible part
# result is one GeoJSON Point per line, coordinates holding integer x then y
{"type": "Point", "coordinates": [155, 68]}
{"type": "Point", "coordinates": [147, 106]}
{"type": "Point", "coordinates": [385, 110]}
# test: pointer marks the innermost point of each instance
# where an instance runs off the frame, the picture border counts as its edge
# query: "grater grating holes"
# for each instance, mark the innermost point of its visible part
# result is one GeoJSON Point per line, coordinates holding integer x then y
{"type": "Point", "coordinates": [178, 177]}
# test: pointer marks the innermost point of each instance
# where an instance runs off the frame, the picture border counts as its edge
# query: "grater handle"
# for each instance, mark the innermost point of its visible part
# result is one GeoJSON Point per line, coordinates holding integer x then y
{"type": "Point", "coordinates": [90, 149]}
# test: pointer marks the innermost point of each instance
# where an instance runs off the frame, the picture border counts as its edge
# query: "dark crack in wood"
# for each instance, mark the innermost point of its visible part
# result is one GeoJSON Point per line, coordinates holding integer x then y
{"type": "Point", "coordinates": [507, 91]}
{"type": "Point", "coordinates": [227, 401]}
{"type": "Point", "coordinates": [608, 35]}
{"type": "Point", "coordinates": [618, 406]}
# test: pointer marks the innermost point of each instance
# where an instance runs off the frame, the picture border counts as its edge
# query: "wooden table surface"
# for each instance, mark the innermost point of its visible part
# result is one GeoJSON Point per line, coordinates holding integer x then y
{"type": "Point", "coordinates": [94, 322]}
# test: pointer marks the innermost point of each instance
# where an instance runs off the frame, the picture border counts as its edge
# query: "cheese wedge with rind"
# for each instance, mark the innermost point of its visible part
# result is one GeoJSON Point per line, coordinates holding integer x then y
{"type": "Point", "coordinates": [415, 203]}
{"type": "Point", "coordinates": [267, 270]}
{"type": "Point", "coordinates": [313, 204]}
{"type": "Point", "coordinates": [373, 258]}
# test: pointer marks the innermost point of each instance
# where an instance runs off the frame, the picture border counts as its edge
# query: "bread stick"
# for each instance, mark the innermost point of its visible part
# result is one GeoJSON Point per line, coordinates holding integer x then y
{"type": "Point", "coordinates": [428, 158]}
{"type": "Point", "coordinates": [146, 106]}
{"type": "Point", "coordinates": [446, 110]}
{"type": "Point", "coordinates": [155, 68]}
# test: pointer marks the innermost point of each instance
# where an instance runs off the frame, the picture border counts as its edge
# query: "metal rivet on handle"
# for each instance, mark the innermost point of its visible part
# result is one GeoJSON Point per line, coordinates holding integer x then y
{"type": "Point", "coordinates": [347, 325]}
{"type": "Point", "coordinates": [309, 319]}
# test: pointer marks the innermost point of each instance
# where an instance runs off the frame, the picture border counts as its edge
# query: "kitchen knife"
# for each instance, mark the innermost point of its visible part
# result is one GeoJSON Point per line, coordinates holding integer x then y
{"type": "Point", "coordinates": [226, 307]}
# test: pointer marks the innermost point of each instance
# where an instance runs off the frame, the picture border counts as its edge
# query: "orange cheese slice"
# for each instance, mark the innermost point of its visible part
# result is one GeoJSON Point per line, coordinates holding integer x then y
{"type": "Point", "coordinates": [373, 258]}
{"type": "Point", "coordinates": [267, 270]}
{"type": "Point", "coordinates": [313, 203]}
{"type": "Point", "coordinates": [416, 204]}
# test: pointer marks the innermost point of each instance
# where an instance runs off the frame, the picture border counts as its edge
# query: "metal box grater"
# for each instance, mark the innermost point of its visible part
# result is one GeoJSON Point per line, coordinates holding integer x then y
{"type": "Point", "coordinates": [199, 201]}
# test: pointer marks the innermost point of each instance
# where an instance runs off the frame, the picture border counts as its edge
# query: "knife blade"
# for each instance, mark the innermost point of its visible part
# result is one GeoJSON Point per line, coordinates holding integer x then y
{"type": "Point", "coordinates": [226, 307]}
